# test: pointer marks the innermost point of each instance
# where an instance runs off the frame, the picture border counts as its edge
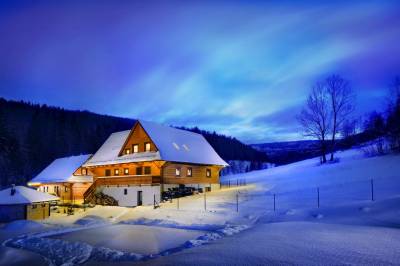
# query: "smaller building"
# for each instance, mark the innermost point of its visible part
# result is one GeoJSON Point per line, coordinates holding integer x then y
{"type": "Point", "coordinates": [65, 179]}
{"type": "Point", "coordinates": [22, 203]}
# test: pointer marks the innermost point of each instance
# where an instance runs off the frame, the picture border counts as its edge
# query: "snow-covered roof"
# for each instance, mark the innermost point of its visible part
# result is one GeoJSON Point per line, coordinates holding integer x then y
{"type": "Point", "coordinates": [173, 144]}
{"type": "Point", "coordinates": [62, 169]}
{"type": "Point", "coordinates": [24, 195]}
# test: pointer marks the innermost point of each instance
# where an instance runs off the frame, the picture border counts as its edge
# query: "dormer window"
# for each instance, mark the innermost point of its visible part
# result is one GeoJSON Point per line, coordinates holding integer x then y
{"type": "Point", "coordinates": [126, 171]}
{"type": "Point", "coordinates": [84, 171]}
{"type": "Point", "coordinates": [116, 171]}
{"type": "Point", "coordinates": [147, 146]}
{"type": "Point", "coordinates": [128, 151]}
{"type": "Point", "coordinates": [135, 148]}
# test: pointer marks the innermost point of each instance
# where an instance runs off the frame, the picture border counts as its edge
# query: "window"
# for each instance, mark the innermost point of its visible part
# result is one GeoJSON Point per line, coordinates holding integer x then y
{"type": "Point", "coordinates": [126, 171]}
{"type": "Point", "coordinates": [147, 170]}
{"type": "Point", "coordinates": [189, 171]}
{"type": "Point", "coordinates": [135, 148]}
{"type": "Point", "coordinates": [178, 171]}
{"type": "Point", "coordinates": [208, 173]}
{"type": "Point", "coordinates": [147, 146]}
{"type": "Point", "coordinates": [139, 171]}
{"type": "Point", "coordinates": [108, 172]}
{"type": "Point", "coordinates": [116, 171]}
{"type": "Point", "coordinates": [128, 151]}
{"type": "Point", "coordinates": [34, 206]}
{"type": "Point", "coordinates": [84, 171]}
{"type": "Point", "coordinates": [125, 191]}
{"type": "Point", "coordinates": [65, 189]}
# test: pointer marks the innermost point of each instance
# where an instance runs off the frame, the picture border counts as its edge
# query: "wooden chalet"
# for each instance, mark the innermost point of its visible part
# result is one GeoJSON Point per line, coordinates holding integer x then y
{"type": "Point", "coordinates": [135, 166]}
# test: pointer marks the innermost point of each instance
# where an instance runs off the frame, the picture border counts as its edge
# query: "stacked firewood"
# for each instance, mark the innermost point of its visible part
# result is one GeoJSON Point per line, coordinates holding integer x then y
{"type": "Point", "coordinates": [101, 199]}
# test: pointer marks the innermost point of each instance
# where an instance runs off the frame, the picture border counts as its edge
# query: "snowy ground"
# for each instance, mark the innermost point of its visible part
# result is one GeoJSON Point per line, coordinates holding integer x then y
{"type": "Point", "coordinates": [347, 228]}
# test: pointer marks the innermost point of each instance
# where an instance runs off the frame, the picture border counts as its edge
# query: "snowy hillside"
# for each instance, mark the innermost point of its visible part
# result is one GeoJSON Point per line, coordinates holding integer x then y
{"type": "Point", "coordinates": [238, 224]}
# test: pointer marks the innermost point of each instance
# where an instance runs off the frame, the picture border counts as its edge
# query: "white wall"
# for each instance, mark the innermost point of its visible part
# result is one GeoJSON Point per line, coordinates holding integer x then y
{"type": "Point", "coordinates": [130, 199]}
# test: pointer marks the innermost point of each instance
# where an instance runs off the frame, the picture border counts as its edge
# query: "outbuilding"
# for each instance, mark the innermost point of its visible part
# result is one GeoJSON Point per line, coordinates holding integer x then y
{"type": "Point", "coordinates": [20, 203]}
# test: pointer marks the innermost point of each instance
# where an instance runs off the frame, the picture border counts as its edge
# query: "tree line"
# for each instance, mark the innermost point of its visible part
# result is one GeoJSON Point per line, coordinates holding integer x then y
{"type": "Point", "coordinates": [33, 135]}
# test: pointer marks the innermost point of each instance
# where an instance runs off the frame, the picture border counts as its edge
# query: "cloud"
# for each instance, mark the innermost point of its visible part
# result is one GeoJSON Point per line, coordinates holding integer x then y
{"type": "Point", "coordinates": [238, 68]}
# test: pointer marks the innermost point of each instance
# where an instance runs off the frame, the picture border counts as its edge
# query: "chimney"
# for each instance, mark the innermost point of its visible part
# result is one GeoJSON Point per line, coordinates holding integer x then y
{"type": "Point", "coordinates": [13, 189]}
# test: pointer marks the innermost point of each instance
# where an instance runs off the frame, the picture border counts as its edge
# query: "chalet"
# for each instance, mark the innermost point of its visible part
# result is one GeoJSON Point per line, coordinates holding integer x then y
{"type": "Point", "coordinates": [19, 203]}
{"type": "Point", "coordinates": [133, 167]}
{"type": "Point", "coordinates": [65, 179]}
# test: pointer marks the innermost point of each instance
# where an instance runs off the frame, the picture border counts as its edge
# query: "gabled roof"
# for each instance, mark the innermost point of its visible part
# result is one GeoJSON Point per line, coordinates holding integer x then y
{"type": "Point", "coordinates": [24, 195]}
{"type": "Point", "coordinates": [62, 169]}
{"type": "Point", "coordinates": [175, 145]}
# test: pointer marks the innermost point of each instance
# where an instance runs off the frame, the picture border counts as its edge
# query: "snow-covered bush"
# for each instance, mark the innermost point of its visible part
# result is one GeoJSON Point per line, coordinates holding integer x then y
{"type": "Point", "coordinates": [378, 147]}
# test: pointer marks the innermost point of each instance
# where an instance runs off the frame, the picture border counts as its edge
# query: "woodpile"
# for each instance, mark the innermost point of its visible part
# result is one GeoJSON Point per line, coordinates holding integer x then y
{"type": "Point", "coordinates": [101, 199]}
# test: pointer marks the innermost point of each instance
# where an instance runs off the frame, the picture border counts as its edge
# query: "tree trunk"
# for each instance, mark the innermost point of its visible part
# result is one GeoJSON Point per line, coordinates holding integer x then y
{"type": "Point", "coordinates": [333, 135]}
{"type": "Point", "coordinates": [323, 150]}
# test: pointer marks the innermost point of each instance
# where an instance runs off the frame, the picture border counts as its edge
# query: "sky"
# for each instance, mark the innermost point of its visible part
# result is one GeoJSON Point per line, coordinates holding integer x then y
{"type": "Point", "coordinates": [241, 68]}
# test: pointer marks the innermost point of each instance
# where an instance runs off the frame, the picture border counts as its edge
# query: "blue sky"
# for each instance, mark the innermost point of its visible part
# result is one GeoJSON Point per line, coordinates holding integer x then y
{"type": "Point", "coordinates": [240, 68]}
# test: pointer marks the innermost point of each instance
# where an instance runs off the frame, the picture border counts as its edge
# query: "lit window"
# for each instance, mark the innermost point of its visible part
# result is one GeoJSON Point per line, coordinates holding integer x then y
{"type": "Point", "coordinates": [116, 171]}
{"type": "Point", "coordinates": [84, 171]}
{"type": "Point", "coordinates": [178, 171]}
{"type": "Point", "coordinates": [135, 148]}
{"type": "Point", "coordinates": [208, 172]}
{"type": "Point", "coordinates": [175, 145]}
{"type": "Point", "coordinates": [147, 170]}
{"type": "Point", "coordinates": [66, 189]}
{"type": "Point", "coordinates": [126, 171]}
{"type": "Point", "coordinates": [189, 171]}
{"type": "Point", "coordinates": [147, 146]}
{"type": "Point", "coordinates": [127, 151]}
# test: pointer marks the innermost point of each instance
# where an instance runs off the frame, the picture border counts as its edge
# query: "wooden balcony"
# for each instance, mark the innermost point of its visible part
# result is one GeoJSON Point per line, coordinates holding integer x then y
{"type": "Point", "coordinates": [127, 180]}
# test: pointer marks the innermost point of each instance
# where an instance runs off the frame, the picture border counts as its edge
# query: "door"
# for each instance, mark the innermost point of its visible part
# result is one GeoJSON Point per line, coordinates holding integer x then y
{"type": "Point", "coordinates": [139, 198]}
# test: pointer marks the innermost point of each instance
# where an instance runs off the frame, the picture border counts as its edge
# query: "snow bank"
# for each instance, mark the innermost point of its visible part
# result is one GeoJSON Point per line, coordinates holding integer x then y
{"type": "Point", "coordinates": [91, 220]}
{"type": "Point", "coordinates": [59, 252]}
{"type": "Point", "coordinates": [23, 225]}
{"type": "Point", "coordinates": [173, 224]}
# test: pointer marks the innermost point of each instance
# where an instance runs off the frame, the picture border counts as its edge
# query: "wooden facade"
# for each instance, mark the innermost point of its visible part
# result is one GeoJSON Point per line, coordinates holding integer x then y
{"type": "Point", "coordinates": [138, 137]}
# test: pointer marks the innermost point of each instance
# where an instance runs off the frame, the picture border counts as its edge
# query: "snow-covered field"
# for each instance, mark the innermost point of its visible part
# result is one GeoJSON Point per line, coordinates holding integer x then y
{"type": "Point", "coordinates": [347, 228]}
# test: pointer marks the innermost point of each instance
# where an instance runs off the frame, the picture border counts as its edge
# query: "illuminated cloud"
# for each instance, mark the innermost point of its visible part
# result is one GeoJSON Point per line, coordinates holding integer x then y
{"type": "Point", "coordinates": [243, 69]}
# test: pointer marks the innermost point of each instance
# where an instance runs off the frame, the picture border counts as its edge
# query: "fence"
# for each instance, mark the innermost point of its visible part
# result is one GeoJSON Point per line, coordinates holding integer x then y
{"type": "Point", "coordinates": [318, 196]}
{"type": "Point", "coordinates": [336, 194]}
{"type": "Point", "coordinates": [233, 183]}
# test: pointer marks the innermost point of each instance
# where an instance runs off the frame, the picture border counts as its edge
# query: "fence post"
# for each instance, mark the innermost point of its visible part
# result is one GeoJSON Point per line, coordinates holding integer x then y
{"type": "Point", "coordinates": [205, 200]}
{"type": "Point", "coordinates": [237, 182]}
{"type": "Point", "coordinates": [318, 196]}
{"type": "Point", "coordinates": [177, 203]}
{"type": "Point", "coordinates": [237, 202]}
{"type": "Point", "coordinates": [229, 183]}
{"type": "Point", "coordinates": [372, 189]}
{"type": "Point", "coordinates": [274, 202]}
{"type": "Point", "coordinates": [154, 201]}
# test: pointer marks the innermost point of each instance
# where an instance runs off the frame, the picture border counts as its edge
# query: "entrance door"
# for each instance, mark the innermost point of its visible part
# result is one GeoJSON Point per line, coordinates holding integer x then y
{"type": "Point", "coordinates": [139, 198]}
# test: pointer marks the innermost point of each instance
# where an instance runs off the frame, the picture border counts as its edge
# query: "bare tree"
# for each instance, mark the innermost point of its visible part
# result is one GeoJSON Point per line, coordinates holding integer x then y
{"type": "Point", "coordinates": [342, 104]}
{"type": "Point", "coordinates": [315, 116]}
